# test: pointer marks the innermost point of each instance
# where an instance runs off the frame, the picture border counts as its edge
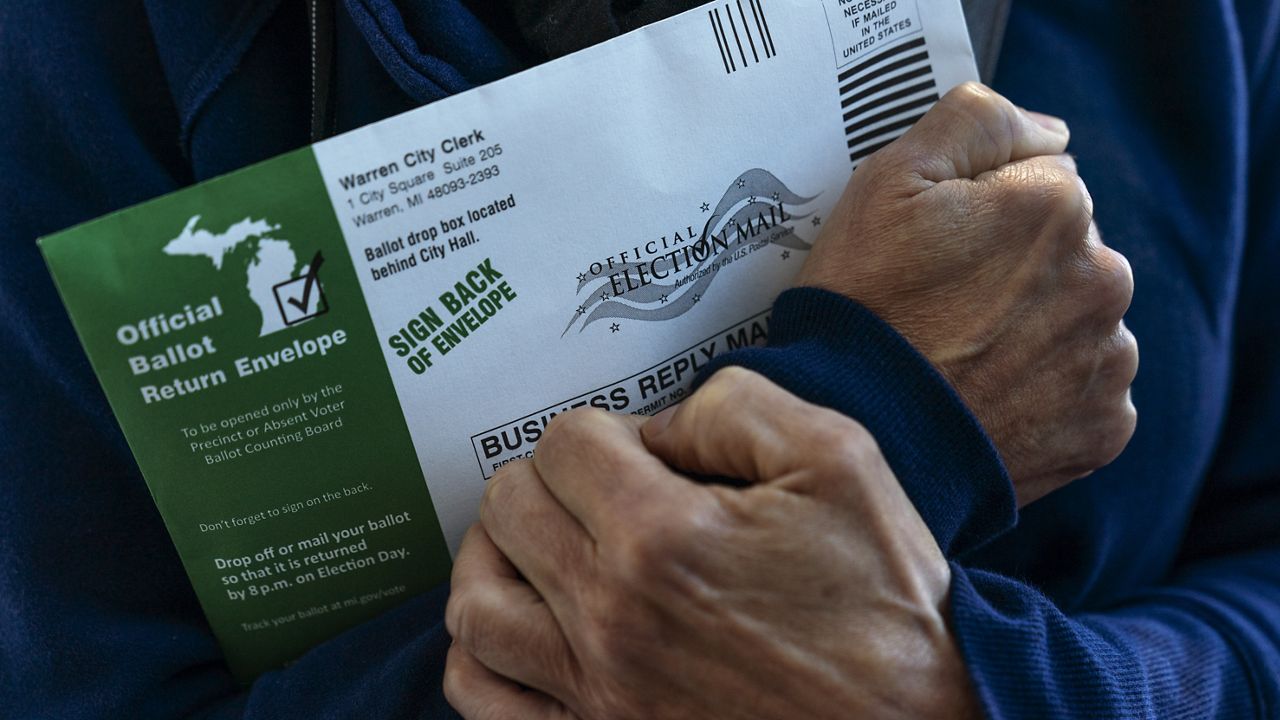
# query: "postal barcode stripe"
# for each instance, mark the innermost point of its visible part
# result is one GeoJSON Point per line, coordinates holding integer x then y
{"type": "Point", "coordinates": [741, 40]}
{"type": "Point", "coordinates": [885, 70]}
{"type": "Point", "coordinates": [726, 53]}
{"type": "Point", "coordinates": [719, 44]}
{"type": "Point", "coordinates": [736, 40]}
{"type": "Point", "coordinates": [867, 122]}
{"type": "Point", "coordinates": [766, 39]}
{"type": "Point", "coordinates": [896, 80]}
{"type": "Point", "coordinates": [750, 41]}
{"type": "Point", "coordinates": [880, 131]}
{"type": "Point", "coordinates": [764, 22]}
{"type": "Point", "coordinates": [891, 97]}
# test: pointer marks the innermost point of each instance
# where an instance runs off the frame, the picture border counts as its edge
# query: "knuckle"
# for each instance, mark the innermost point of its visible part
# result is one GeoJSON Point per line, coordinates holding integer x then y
{"type": "Point", "coordinates": [1111, 282]}
{"type": "Point", "coordinates": [849, 444]}
{"type": "Point", "coordinates": [572, 431]}
{"type": "Point", "coordinates": [1119, 431]}
{"type": "Point", "coordinates": [459, 618]}
{"type": "Point", "coordinates": [500, 489]}
{"type": "Point", "coordinates": [983, 107]}
{"type": "Point", "coordinates": [1067, 199]}
{"type": "Point", "coordinates": [1111, 434]}
{"type": "Point", "coordinates": [1129, 422]}
{"type": "Point", "coordinates": [454, 684]}
{"type": "Point", "coordinates": [1124, 358]}
{"type": "Point", "coordinates": [975, 99]}
{"type": "Point", "coordinates": [1120, 272]}
{"type": "Point", "coordinates": [728, 384]}
{"type": "Point", "coordinates": [723, 394]}
{"type": "Point", "coordinates": [734, 374]}
{"type": "Point", "coordinates": [1070, 200]}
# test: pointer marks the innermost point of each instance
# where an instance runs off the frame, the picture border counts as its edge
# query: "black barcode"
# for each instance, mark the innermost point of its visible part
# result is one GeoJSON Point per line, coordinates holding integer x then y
{"type": "Point", "coordinates": [883, 96]}
{"type": "Point", "coordinates": [742, 33]}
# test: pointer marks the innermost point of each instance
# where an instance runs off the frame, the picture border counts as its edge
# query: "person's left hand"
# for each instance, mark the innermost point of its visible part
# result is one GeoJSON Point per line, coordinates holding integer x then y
{"type": "Point", "coordinates": [600, 584]}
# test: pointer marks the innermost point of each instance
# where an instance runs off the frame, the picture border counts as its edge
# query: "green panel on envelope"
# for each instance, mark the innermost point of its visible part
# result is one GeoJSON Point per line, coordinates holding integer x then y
{"type": "Point", "coordinates": [228, 328]}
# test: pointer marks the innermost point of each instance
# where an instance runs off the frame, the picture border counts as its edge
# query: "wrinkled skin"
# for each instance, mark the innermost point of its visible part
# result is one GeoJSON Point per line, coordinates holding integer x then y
{"type": "Point", "coordinates": [973, 236]}
{"type": "Point", "coordinates": [817, 592]}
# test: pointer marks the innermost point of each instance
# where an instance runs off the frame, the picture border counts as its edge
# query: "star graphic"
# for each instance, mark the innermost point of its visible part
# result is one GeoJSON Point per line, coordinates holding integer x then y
{"type": "Point", "coordinates": [662, 299]}
{"type": "Point", "coordinates": [817, 221]}
{"type": "Point", "coordinates": [752, 199]}
{"type": "Point", "coordinates": [604, 295]}
{"type": "Point", "coordinates": [582, 309]}
{"type": "Point", "coordinates": [786, 254]}
{"type": "Point", "coordinates": [776, 197]}
{"type": "Point", "coordinates": [742, 183]}
{"type": "Point", "coordinates": [615, 328]}
{"type": "Point", "coordinates": [696, 297]}
{"type": "Point", "coordinates": [706, 207]}
{"type": "Point", "coordinates": [582, 277]}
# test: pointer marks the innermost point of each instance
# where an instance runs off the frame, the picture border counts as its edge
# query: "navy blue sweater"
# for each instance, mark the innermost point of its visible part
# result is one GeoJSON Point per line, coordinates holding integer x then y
{"type": "Point", "coordinates": [1150, 589]}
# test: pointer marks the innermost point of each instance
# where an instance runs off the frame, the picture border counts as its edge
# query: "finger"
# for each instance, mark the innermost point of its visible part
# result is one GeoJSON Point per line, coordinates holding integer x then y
{"type": "Point", "coordinates": [478, 693]}
{"type": "Point", "coordinates": [534, 531]}
{"type": "Point", "coordinates": [503, 622]}
{"type": "Point", "coordinates": [1044, 191]}
{"type": "Point", "coordinates": [598, 467]}
{"type": "Point", "coordinates": [972, 130]}
{"type": "Point", "coordinates": [742, 425]}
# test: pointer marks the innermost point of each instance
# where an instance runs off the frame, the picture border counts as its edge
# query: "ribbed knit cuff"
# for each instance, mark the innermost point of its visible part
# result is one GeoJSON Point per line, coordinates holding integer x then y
{"type": "Point", "coordinates": [833, 352]}
{"type": "Point", "coordinates": [1176, 653]}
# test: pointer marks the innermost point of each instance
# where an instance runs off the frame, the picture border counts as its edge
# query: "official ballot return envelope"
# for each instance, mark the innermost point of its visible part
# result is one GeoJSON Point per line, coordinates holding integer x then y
{"type": "Point", "coordinates": [319, 360]}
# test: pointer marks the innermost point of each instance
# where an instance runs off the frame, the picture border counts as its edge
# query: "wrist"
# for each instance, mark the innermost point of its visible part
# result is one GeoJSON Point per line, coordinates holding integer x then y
{"type": "Point", "coordinates": [833, 352]}
{"type": "Point", "coordinates": [914, 669]}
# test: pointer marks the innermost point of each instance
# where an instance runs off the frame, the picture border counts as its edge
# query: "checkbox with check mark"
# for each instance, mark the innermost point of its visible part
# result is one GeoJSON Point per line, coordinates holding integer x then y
{"type": "Point", "coordinates": [302, 298]}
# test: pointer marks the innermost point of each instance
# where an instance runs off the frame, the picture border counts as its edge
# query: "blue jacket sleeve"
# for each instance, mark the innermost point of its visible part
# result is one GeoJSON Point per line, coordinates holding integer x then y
{"type": "Point", "coordinates": [833, 351]}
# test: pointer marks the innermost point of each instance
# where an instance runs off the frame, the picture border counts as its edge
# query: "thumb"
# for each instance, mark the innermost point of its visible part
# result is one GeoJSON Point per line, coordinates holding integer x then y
{"type": "Point", "coordinates": [973, 130]}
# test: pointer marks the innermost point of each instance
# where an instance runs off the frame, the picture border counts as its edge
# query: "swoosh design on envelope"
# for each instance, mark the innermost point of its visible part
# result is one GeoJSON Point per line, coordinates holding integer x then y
{"type": "Point", "coordinates": [748, 198]}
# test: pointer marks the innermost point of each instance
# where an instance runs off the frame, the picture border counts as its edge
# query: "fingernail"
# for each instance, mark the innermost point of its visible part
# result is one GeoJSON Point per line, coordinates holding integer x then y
{"type": "Point", "coordinates": [1055, 125]}
{"type": "Point", "coordinates": [658, 423]}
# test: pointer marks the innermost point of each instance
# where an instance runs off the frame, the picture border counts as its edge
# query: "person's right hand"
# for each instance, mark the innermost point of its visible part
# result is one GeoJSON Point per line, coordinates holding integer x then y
{"type": "Point", "coordinates": [973, 236]}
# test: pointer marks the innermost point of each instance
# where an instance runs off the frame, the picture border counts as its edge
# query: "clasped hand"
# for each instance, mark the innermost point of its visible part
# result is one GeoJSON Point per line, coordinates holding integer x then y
{"type": "Point", "coordinates": [603, 584]}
